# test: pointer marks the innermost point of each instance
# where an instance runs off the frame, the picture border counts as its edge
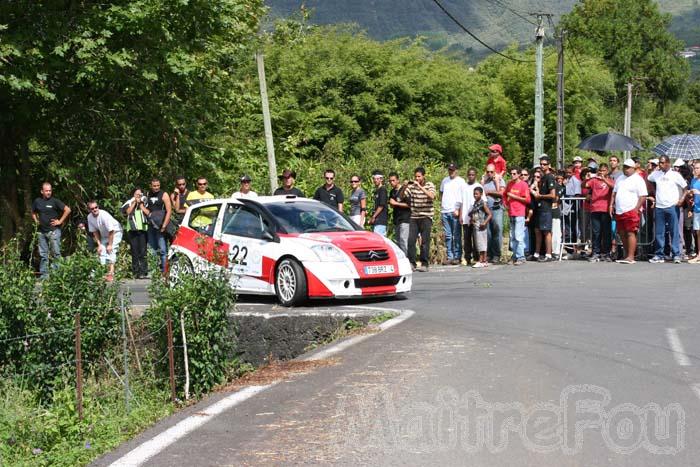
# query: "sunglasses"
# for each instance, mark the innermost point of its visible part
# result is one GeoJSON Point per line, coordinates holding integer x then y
{"type": "Point", "coordinates": [94, 209]}
{"type": "Point", "coordinates": [489, 171]}
{"type": "Point", "coordinates": [330, 178]}
{"type": "Point", "coordinates": [354, 181]}
{"type": "Point", "coordinates": [524, 175]}
{"type": "Point", "coordinates": [202, 184]}
{"type": "Point", "coordinates": [181, 184]}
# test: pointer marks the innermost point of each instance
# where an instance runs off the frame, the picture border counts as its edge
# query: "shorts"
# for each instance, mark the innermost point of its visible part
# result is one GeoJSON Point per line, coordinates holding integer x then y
{"type": "Point", "coordinates": [544, 220]}
{"type": "Point", "coordinates": [628, 221]}
{"type": "Point", "coordinates": [481, 239]}
{"type": "Point", "coordinates": [696, 220]}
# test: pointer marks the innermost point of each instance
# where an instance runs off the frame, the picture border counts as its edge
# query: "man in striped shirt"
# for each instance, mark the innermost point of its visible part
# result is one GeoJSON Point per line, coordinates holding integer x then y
{"type": "Point", "coordinates": [422, 194]}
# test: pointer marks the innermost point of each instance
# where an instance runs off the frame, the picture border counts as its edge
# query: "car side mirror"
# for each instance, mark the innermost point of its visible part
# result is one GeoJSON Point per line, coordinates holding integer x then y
{"type": "Point", "coordinates": [270, 237]}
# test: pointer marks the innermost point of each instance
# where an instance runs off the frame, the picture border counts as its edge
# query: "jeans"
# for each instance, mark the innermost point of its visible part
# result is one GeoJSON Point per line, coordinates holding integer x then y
{"type": "Point", "coordinates": [602, 232]}
{"type": "Point", "coordinates": [517, 237]}
{"type": "Point", "coordinates": [422, 225]}
{"type": "Point", "coordinates": [667, 217]}
{"type": "Point", "coordinates": [402, 232]}
{"type": "Point", "coordinates": [49, 246]}
{"type": "Point", "coordinates": [380, 229]}
{"type": "Point", "coordinates": [156, 240]}
{"type": "Point", "coordinates": [495, 232]}
{"type": "Point", "coordinates": [453, 235]}
{"type": "Point", "coordinates": [138, 240]}
{"type": "Point", "coordinates": [471, 253]}
{"type": "Point", "coordinates": [110, 258]}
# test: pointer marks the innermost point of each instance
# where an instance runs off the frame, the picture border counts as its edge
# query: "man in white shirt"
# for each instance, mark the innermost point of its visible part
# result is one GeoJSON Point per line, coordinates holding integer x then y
{"type": "Point", "coordinates": [670, 194]}
{"type": "Point", "coordinates": [107, 232]}
{"type": "Point", "coordinates": [244, 190]}
{"type": "Point", "coordinates": [629, 194]}
{"type": "Point", "coordinates": [465, 204]}
{"type": "Point", "coordinates": [451, 194]}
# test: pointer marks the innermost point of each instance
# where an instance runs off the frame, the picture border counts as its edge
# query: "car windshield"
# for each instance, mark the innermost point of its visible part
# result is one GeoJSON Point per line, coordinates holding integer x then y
{"type": "Point", "coordinates": [309, 216]}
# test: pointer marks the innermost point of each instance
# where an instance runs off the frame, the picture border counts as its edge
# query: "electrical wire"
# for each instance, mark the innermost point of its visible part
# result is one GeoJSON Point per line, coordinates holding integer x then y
{"type": "Point", "coordinates": [519, 15]}
{"type": "Point", "coordinates": [463, 28]}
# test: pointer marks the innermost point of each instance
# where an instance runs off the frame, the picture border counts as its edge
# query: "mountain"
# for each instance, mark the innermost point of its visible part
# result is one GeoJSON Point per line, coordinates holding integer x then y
{"type": "Point", "coordinates": [496, 22]}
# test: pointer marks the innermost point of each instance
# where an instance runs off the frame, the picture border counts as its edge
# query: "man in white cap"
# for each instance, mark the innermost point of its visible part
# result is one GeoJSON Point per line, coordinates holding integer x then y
{"type": "Point", "coordinates": [670, 194]}
{"type": "Point", "coordinates": [244, 190]}
{"type": "Point", "coordinates": [629, 194]}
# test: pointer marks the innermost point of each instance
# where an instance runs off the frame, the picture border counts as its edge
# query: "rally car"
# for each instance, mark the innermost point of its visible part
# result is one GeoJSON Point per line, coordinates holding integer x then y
{"type": "Point", "coordinates": [294, 248]}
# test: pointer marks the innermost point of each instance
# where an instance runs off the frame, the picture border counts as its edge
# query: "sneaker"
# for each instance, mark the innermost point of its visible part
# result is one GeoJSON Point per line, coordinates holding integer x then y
{"type": "Point", "coordinates": [695, 260]}
{"type": "Point", "coordinates": [446, 262]}
{"type": "Point", "coordinates": [455, 262]}
{"type": "Point", "coordinates": [608, 259]}
{"type": "Point", "coordinates": [480, 265]}
{"type": "Point", "coordinates": [625, 261]}
{"type": "Point", "coordinates": [594, 259]}
{"type": "Point", "coordinates": [668, 258]}
{"type": "Point", "coordinates": [677, 260]}
{"type": "Point", "coordinates": [519, 262]}
{"type": "Point", "coordinates": [422, 269]}
{"type": "Point", "coordinates": [545, 259]}
{"type": "Point", "coordinates": [656, 259]}
{"type": "Point", "coordinates": [533, 258]}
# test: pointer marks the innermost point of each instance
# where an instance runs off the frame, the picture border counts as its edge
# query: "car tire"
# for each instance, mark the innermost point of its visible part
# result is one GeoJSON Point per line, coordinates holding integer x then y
{"type": "Point", "coordinates": [178, 266]}
{"type": "Point", "coordinates": [290, 282]}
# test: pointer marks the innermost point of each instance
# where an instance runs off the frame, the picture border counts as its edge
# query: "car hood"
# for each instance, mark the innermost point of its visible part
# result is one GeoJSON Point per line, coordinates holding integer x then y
{"type": "Point", "coordinates": [348, 241]}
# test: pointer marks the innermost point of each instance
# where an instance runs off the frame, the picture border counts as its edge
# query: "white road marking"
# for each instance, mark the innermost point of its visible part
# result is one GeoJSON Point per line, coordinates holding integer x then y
{"type": "Point", "coordinates": [161, 441]}
{"type": "Point", "coordinates": [339, 347]}
{"type": "Point", "coordinates": [677, 347]}
{"type": "Point", "coordinates": [158, 443]}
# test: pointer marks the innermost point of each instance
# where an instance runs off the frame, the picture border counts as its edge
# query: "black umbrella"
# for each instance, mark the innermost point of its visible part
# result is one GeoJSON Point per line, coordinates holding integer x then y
{"type": "Point", "coordinates": [609, 142]}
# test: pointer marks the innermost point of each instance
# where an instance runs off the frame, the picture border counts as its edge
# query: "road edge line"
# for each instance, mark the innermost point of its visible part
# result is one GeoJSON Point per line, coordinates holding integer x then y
{"type": "Point", "coordinates": [162, 440]}
{"type": "Point", "coordinates": [674, 341]}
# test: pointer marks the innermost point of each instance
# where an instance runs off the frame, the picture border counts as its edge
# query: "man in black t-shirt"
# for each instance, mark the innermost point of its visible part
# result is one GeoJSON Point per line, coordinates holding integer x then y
{"type": "Point", "coordinates": [288, 178]}
{"type": "Point", "coordinates": [546, 195]}
{"type": "Point", "coordinates": [402, 211]}
{"type": "Point", "coordinates": [380, 216]}
{"type": "Point", "coordinates": [329, 193]}
{"type": "Point", "coordinates": [49, 213]}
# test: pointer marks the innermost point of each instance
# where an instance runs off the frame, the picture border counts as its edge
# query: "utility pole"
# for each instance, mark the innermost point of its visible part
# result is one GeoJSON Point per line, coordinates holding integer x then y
{"type": "Point", "coordinates": [628, 115]}
{"type": "Point", "coordinates": [539, 92]}
{"type": "Point", "coordinates": [272, 165]}
{"type": "Point", "coordinates": [560, 101]}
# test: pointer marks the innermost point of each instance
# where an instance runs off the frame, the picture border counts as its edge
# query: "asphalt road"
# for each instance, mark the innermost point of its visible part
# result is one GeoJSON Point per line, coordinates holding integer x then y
{"type": "Point", "coordinates": [563, 364]}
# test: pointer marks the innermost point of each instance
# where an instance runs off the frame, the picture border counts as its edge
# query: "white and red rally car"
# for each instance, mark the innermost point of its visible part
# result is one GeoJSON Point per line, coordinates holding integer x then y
{"type": "Point", "coordinates": [295, 248]}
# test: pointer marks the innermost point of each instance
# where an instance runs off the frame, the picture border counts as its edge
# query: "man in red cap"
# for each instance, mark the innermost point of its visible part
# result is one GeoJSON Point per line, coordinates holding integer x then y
{"type": "Point", "coordinates": [496, 158]}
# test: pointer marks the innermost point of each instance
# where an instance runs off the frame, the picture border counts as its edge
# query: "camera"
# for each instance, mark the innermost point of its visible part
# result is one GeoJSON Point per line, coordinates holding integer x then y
{"type": "Point", "coordinates": [143, 199]}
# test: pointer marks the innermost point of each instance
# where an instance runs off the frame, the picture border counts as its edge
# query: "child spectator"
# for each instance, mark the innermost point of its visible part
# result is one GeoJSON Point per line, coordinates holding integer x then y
{"type": "Point", "coordinates": [480, 215]}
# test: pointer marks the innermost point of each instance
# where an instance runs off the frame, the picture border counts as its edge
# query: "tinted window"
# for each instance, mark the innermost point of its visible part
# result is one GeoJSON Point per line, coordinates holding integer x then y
{"type": "Point", "coordinates": [203, 219]}
{"type": "Point", "coordinates": [308, 216]}
{"type": "Point", "coordinates": [240, 221]}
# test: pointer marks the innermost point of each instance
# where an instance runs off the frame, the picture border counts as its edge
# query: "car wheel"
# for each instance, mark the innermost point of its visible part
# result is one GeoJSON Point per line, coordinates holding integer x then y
{"type": "Point", "coordinates": [290, 282]}
{"type": "Point", "coordinates": [179, 266]}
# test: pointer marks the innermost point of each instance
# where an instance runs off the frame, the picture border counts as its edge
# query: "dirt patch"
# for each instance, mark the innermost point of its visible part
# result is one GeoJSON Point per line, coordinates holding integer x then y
{"type": "Point", "coordinates": [277, 371]}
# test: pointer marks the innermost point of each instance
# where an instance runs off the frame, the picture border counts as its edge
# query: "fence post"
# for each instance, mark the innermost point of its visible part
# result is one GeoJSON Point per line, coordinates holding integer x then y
{"type": "Point", "coordinates": [125, 348]}
{"type": "Point", "coordinates": [78, 368]}
{"type": "Point", "coordinates": [184, 352]}
{"type": "Point", "coordinates": [171, 356]}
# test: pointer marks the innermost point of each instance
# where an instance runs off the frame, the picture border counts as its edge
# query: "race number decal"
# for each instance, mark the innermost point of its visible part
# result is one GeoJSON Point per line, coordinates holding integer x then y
{"type": "Point", "coordinates": [245, 258]}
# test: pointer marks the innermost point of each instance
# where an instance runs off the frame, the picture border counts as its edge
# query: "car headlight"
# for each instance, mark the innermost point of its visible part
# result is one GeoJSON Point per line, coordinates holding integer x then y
{"type": "Point", "coordinates": [328, 252]}
{"type": "Point", "coordinates": [397, 251]}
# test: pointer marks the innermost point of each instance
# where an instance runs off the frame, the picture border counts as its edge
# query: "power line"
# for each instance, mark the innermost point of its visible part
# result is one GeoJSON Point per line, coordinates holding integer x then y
{"type": "Point", "coordinates": [463, 28]}
{"type": "Point", "coordinates": [505, 6]}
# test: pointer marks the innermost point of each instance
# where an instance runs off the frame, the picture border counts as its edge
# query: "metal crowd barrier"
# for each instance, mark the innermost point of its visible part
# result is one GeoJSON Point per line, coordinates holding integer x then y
{"type": "Point", "coordinates": [575, 228]}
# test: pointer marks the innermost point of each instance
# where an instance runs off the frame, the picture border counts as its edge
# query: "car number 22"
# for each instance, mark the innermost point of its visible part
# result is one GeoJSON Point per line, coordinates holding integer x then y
{"type": "Point", "coordinates": [244, 258]}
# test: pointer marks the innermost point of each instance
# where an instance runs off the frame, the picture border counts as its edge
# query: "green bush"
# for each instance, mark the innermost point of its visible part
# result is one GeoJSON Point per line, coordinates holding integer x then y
{"type": "Point", "coordinates": [203, 301]}
{"type": "Point", "coordinates": [37, 322]}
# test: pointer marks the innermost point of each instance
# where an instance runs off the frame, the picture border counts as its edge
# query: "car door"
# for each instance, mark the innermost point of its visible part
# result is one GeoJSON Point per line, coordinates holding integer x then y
{"type": "Point", "coordinates": [242, 229]}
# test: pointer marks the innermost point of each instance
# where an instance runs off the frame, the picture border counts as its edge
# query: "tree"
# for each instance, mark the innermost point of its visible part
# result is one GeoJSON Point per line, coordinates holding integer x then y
{"type": "Point", "coordinates": [99, 96]}
{"type": "Point", "coordinates": [632, 38]}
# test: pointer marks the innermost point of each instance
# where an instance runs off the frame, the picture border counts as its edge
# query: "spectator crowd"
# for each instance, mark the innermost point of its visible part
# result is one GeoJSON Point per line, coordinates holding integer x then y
{"type": "Point", "coordinates": [600, 211]}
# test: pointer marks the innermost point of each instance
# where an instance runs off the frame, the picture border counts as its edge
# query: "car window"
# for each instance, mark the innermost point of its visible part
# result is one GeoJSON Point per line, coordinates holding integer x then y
{"type": "Point", "coordinates": [239, 220]}
{"type": "Point", "coordinates": [203, 219]}
{"type": "Point", "coordinates": [309, 216]}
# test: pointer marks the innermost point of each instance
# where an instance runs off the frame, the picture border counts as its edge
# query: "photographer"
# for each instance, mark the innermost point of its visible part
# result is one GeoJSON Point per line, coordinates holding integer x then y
{"type": "Point", "coordinates": [137, 228]}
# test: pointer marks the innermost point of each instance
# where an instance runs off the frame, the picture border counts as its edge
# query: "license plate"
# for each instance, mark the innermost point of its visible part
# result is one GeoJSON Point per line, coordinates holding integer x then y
{"type": "Point", "coordinates": [384, 269]}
